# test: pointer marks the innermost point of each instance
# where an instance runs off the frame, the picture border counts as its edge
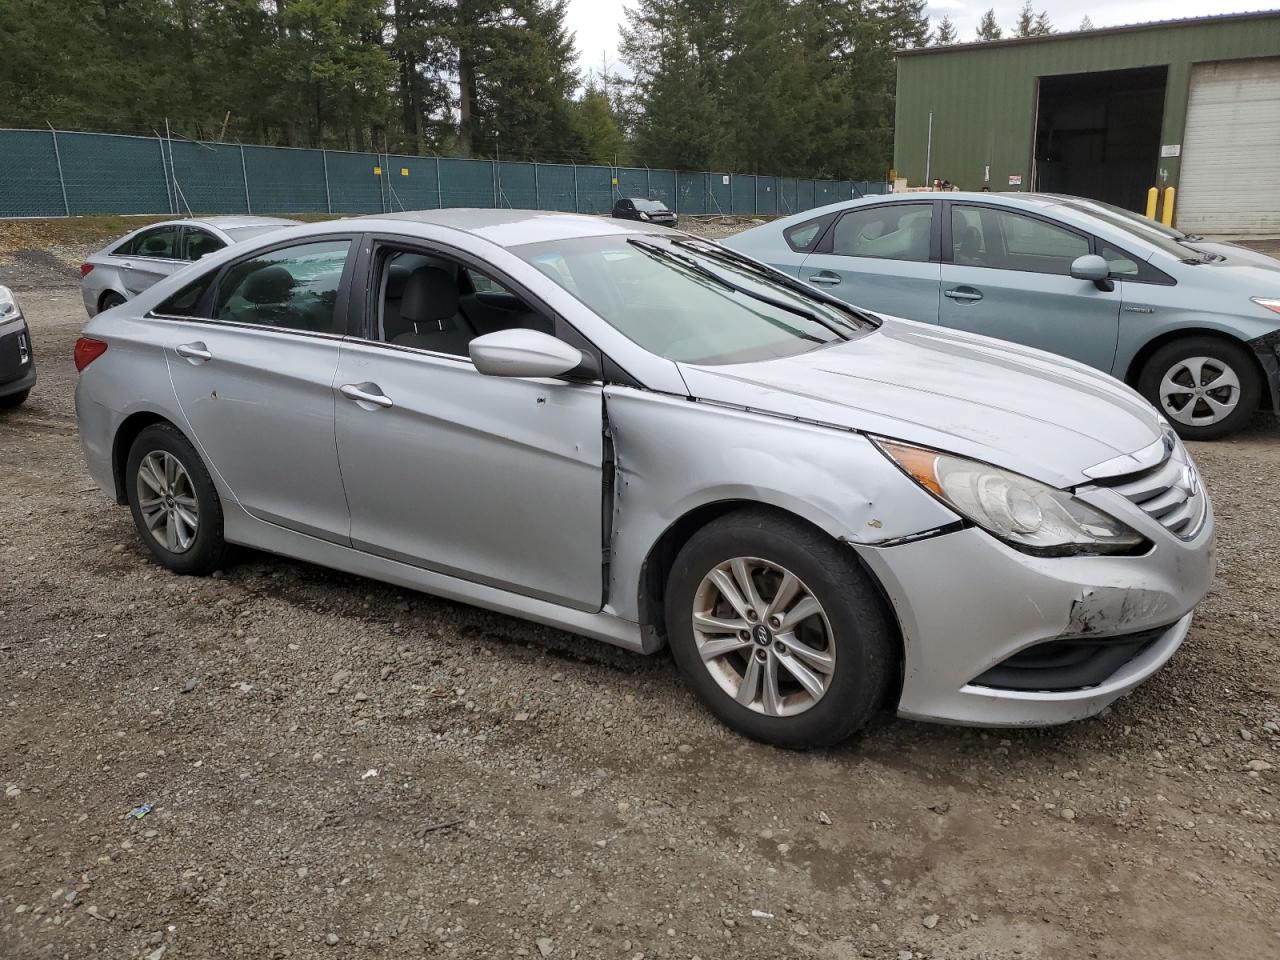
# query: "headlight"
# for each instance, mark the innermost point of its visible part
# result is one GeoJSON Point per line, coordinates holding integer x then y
{"type": "Point", "coordinates": [9, 308]}
{"type": "Point", "coordinates": [1024, 513]}
{"type": "Point", "coordinates": [1270, 304]}
{"type": "Point", "coordinates": [643, 215]}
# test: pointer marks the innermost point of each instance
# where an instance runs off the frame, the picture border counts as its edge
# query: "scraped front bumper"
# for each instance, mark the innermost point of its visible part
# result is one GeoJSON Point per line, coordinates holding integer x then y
{"type": "Point", "coordinates": [996, 637]}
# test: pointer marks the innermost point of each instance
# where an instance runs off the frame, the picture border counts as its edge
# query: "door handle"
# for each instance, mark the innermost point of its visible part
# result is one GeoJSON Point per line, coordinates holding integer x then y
{"type": "Point", "coordinates": [963, 294]}
{"type": "Point", "coordinates": [826, 279]}
{"type": "Point", "coordinates": [362, 393]}
{"type": "Point", "coordinates": [196, 352]}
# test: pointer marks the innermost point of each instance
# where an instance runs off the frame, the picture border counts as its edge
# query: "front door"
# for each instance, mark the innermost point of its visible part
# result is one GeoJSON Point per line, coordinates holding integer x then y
{"type": "Point", "coordinates": [1010, 278]}
{"type": "Point", "coordinates": [496, 480]}
{"type": "Point", "coordinates": [254, 378]}
{"type": "Point", "coordinates": [880, 258]}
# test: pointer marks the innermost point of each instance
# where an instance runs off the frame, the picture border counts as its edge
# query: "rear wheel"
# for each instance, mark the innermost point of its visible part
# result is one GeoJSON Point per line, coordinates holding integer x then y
{"type": "Point", "coordinates": [174, 503]}
{"type": "Point", "coordinates": [778, 630]}
{"type": "Point", "coordinates": [1207, 387]}
{"type": "Point", "coordinates": [109, 299]}
{"type": "Point", "coordinates": [14, 399]}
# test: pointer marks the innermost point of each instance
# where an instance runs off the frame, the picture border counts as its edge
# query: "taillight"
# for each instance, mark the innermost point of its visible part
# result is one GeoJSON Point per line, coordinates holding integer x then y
{"type": "Point", "coordinates": [85, 270]}
{"type": "Point", "coordinates": [88, 350]}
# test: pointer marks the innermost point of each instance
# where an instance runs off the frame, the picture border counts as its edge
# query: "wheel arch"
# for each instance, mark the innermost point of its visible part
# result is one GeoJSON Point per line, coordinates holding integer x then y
{"type": "Point", "coordinates": [126, 433]}
{"type": "Point", "coordinates": [662, 554]}
{"type": "Point", "coordinates": [1145, 352]}
{"type": "Point", "coordinates": [110, 292]}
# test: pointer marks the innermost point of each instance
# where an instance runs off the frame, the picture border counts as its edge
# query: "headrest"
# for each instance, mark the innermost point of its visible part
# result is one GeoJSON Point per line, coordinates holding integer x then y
{"type": "Point", "coordinates": [268, 285]}
{"type": "Point", "coordinates": [430, 294]}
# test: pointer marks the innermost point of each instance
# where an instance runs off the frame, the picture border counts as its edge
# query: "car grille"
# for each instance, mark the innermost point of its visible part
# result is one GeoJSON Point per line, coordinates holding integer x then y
{"type": "Point", "coordinates": [1170, 492]}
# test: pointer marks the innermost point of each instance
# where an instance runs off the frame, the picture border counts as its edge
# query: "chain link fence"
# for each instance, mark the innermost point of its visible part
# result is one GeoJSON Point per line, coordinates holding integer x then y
{"type": "Point", "coordinates": [51, 173]}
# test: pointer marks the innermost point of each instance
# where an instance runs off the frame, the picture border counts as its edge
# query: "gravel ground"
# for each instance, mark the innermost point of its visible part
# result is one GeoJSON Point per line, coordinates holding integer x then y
{"type": "Point", "coordinates": [343, 769]}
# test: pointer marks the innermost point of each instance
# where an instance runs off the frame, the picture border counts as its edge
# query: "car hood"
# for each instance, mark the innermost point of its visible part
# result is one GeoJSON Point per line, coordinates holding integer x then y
{"type": "Point", "coordinates": [1238, 255]}
{"type": "Point", "coordinates": [1039, 414]}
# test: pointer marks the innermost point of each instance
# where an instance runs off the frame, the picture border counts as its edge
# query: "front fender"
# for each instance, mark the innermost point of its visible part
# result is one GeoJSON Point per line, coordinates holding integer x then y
{"type": "Point", "coordinates": [674, 455]}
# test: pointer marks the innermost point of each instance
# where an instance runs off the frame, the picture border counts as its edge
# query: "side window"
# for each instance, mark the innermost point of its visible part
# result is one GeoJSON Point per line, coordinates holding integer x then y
{"type": "Point", "coordinates": [431, 302]}
{"type": "Point", "coordinates": [804, 236]}
{"type": "Point", "coordinates": [295, 288]}
{"type": "Point", "coordinates": [1003, 240]}
{"type": "Point", "coordinates": [186, 302]}
{"type": "Point", "coordinates": [199, 243]}
{"type": "Point", "coordinates": [160, 243]}
{"type": "Point", "coordinates": [898, 231]}
{"type": "Point", "coordinates": [1121, 264]}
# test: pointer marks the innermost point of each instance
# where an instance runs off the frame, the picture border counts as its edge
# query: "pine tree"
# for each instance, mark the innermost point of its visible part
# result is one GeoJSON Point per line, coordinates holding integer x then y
{"type": "Point", "coordinates": [1085, 23]}
{"type": "Point", "coordinates": [677, 50]}
{"type": "Point", "coordinates": [988, 29]}
{"type": "Point", "coordinates": [1042, 26]}
{"type": "Point", "coordinates": [597, 127]}
{"type": "Point", "coordinates": [946, 33]}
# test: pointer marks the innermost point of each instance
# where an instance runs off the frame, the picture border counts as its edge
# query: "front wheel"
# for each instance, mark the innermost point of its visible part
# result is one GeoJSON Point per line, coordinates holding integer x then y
{"type": "Point", "coordinates": [1207, 387]}
{"type": "Point", "coordinates": [174, 503]}
{"type": "Point", "coordinates": [778, 630]}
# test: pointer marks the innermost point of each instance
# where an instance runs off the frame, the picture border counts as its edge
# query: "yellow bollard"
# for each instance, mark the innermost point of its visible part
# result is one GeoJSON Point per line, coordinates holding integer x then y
{"type": "Point", "coordinates": [1153, 197]}
{"type": "Point", "coordinates": [1167, 218]}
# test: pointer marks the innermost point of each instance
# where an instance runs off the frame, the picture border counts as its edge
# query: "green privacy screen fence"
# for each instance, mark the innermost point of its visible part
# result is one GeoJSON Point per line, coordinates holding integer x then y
{"type": "Point", "coordinates": [46, 173]}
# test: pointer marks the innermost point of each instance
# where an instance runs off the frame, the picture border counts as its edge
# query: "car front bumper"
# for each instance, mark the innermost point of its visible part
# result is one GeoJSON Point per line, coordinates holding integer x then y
{"type": "Point", "coordinates": [967, 603]}
{"type": "Point", "coordinates": [17, 359]}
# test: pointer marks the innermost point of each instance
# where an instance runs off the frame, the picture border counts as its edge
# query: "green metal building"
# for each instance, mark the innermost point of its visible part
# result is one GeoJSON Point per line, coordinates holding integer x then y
{"type": "Point", "coordinates": [1192, 104]}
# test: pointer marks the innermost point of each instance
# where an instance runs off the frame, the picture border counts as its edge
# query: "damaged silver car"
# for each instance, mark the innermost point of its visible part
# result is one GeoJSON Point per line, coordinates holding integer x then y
{"type": "Point", "coordinates": [640, 436]}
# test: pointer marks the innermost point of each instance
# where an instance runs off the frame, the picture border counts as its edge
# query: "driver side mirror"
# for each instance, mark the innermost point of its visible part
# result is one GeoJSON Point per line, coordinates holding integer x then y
{"type": "Point", "coordinates": [523, 353]}
{"type": "Point", "coordinates": [1093, 268]}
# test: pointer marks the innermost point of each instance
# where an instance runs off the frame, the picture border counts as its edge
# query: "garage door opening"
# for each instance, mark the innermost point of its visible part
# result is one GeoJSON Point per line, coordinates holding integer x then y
{"type": "Point", "coordinates": [1098, 134]}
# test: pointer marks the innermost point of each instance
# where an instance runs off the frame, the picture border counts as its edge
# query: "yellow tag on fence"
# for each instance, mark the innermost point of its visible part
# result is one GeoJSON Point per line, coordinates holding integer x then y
{"type": "Point", "coordinates": [377, 171]}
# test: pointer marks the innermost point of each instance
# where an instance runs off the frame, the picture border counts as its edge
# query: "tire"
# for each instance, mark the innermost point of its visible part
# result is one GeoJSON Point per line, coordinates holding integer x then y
{"type": "Point", "coordinates": [14, 400]}
{"type": "Point", "coordinates": [206, 550]}
{"type": "Point", "coordinates": [109, 299]}
{"type": "Point", "coordinates": [1216, 412]}
{"type": "Point", "coordinates": [851, 628]}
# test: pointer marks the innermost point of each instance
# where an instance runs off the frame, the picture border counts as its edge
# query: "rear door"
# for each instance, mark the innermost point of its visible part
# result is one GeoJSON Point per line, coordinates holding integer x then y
{"type": "Point", "coordinates": [1009, 276]}
{"type": "Point", "coordinates": [150, 257]}
{"type": "Point", "coordinates": [252, 359]}
{"type": "Point", "coordinates": [198, 242]}
{"type": "Point", "coordinates": [882, 257]}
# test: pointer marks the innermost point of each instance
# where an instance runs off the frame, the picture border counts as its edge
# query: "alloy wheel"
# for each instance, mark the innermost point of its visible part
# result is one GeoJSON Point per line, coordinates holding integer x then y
{"type": "Point", "coordinates": [167, 501]}
{"type": "Point", "coordinates": [1199, 391]}
{"type": "Point", "coordinates": [763, 636]}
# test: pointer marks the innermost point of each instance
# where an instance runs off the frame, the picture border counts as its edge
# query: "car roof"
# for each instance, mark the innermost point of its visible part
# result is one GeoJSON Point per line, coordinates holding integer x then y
{"type": "Point", "coordinates": [230, 221]}
{"type": "Point", "coordinates": [512, 228]}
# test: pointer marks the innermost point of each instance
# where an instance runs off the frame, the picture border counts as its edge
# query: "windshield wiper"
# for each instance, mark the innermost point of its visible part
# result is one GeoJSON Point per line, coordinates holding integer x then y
{"type": "Point", "coordinates": [716, 251]}
{"type": "Point", "coordinates": [728, 284]}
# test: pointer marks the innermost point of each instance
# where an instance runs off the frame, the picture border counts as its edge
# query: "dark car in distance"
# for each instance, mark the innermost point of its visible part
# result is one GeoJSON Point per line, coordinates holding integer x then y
{"type": "Point", "coordinates": [639, 208]}
{"type": "Point", "coordinates": [17, 363]}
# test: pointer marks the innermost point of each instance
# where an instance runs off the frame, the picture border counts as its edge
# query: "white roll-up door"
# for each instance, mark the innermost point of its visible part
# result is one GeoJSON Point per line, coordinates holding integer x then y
{"type": "Point", "coordinates": [1230, 181]}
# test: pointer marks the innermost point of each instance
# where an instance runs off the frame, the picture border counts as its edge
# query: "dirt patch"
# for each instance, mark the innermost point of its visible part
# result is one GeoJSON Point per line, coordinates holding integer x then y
{"type": "Point", "coordinates": [536, 792]}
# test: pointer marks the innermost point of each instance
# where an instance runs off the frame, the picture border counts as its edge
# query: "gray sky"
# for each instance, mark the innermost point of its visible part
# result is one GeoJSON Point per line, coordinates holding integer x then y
{"type": "Point", "coordinates": [595, 22]}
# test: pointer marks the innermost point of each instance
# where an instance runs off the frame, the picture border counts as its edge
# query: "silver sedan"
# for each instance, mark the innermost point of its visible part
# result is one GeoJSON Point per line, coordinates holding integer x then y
{"type": "Point", "coordinates": [639, 436]}
{"type": "Point", "coordinates": [132, 263]}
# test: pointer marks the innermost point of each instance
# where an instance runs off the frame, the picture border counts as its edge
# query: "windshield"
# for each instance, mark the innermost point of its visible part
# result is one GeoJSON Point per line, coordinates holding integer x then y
{"type": "Point", "coordinates": [241, 234]}
{"type": "Point", "coordinates": [1156, 234]}
{"type": "Point", "coordinates": [688, 302]}
{"type": "Point", "coordinates": [650, 206]}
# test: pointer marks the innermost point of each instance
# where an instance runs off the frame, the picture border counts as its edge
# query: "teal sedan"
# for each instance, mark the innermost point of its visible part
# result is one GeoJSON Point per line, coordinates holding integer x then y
{"type": "Point", "coordinates": [1194, 326]}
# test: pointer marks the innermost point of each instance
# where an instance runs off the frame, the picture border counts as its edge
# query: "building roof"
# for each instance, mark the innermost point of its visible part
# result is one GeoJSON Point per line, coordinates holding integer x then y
{"type": "Point", "coordinates": [1099, 31]}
